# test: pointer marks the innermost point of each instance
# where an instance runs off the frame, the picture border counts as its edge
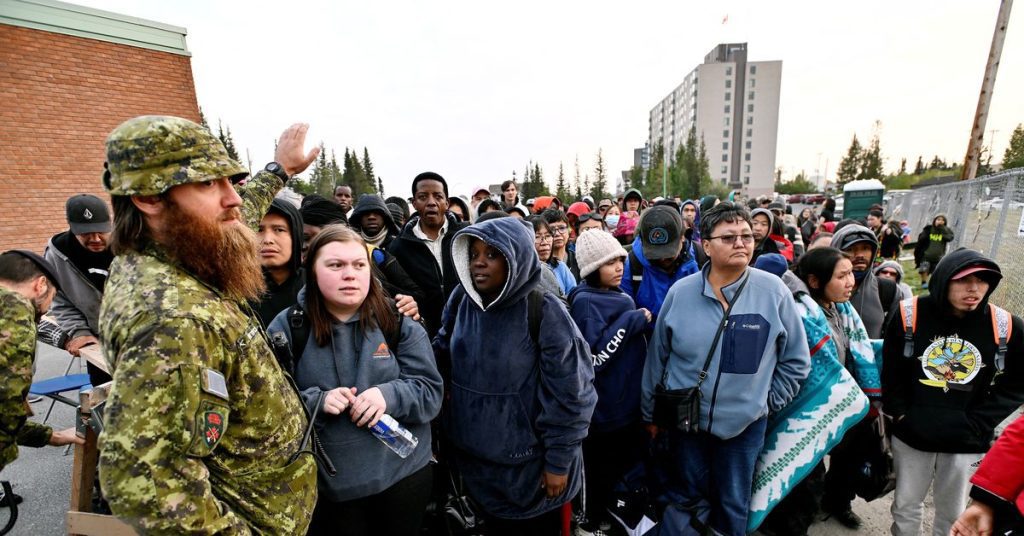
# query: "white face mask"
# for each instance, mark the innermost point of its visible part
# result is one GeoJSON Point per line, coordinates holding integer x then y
{"type": "Point", "coordinates": [612, 220]}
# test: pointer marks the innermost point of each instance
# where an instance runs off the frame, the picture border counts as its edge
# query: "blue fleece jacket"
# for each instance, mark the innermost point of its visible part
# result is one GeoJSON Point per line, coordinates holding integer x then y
{"type": "Point", "coordinates": [517, 408]}
{"type": "Point", "coordinates": [406, 376]}
{"type": "Point", "coordinates": [614, 328]}
{"type": "Point", "coordinates": [656, 281]}
{"type": "Point", "coordinates": [565, 279]}
{"type": "Point", "coordinates": [758, 364]}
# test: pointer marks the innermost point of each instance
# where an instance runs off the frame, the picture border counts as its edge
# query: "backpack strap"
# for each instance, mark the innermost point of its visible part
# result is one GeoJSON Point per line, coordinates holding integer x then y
{"type": "Point", "coordinates": [535, 314]}
{"type": "Point", "coordinates": [394, 337]}
{"type": "Point", "coordinates": [636, 272]}
{"type": "Point", "coordinates": [298, 324]}
{"type": "Point", "coordinates": [1002, 328]}
{"type": "Point", "coordinates": [908, 313]}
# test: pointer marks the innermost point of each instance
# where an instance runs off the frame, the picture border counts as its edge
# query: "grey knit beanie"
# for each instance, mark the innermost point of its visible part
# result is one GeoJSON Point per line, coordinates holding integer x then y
{"type": "Point", "coordinates": [594, 248]}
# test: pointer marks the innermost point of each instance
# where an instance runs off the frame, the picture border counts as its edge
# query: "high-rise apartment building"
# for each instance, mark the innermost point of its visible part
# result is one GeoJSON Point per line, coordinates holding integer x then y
{"type": "Point", "coordinates": [734, 106]}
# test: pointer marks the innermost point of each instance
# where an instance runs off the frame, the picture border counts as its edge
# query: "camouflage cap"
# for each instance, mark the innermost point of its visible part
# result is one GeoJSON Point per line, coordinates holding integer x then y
{"type": "Point", "coordinates": [147, 155]}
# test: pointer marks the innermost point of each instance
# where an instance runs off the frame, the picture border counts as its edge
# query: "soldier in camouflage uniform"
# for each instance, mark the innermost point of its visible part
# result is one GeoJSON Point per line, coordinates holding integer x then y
{"type": "Point", "coordinates": [203, 432]}
{"type": "Point", "coordinates": [27, 287]}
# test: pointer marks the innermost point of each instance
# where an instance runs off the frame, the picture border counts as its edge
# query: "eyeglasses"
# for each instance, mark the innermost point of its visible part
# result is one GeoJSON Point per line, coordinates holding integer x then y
{"type": "Point", "coordinates": [731, 239]}
{"type": "Point", "coordinates": [560, 229]}
{"type": "Point", "coordinates": [540, 239]}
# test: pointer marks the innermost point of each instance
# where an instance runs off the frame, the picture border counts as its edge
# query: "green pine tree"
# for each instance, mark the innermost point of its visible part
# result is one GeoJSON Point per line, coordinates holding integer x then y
{"type": "Point", "coordinates": [321, 179]}
{"type": "Point", "coordinates": [849, 166]}
{"type": "Point", "coordinates": [562, 187]}
{"type": "Point", "coordinates": [224, 135]}
{"type": "Point", "coordinates": [371, 179]}
{"type": "Point", "coordinates": [599, 190]}
{"type": "Point", "coordinates": [1014, 155]}
{"type": "Point", "coordinates": [871, 161]}
{"type": "Point", "coordinates": [576, 180]}
{"type": "Point", "coordinates": [919, 167]}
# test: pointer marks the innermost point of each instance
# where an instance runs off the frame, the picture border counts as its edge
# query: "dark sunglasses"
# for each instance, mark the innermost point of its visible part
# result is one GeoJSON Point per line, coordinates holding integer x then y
{"type": "Point", "coordinates": [591, 216]}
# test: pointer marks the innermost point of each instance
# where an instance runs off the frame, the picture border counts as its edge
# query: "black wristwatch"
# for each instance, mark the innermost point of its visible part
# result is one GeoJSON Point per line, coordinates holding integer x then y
{"type": "Point", "coordinates": [276, 169]}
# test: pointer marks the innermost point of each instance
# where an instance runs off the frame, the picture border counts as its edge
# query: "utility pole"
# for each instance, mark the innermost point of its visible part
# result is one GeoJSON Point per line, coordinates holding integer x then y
{"type": "Point", "coordinates": [985, 98]}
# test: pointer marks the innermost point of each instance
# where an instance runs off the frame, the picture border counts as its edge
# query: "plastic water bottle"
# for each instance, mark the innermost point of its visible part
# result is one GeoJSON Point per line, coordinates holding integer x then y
{"type": "Point", "coordinates": [394, 435]}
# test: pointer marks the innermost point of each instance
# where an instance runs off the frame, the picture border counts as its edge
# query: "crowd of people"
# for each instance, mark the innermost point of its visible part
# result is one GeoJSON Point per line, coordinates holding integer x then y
{"type": "Point", "coordinates": [346, 365]}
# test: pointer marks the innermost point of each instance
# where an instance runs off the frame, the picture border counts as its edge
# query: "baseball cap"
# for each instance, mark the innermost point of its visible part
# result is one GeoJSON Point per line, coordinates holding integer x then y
{"type": "Point", "coordinates": [974, 269]}
{"type": "Point", "coordinates": [87, 214]}
{"type": "Point", "coordinates": [660, 230]}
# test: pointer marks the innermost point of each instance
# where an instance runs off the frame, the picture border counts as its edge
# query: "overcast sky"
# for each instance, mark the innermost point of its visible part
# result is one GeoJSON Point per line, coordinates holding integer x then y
{"type": "Point", "coordinates": [474, 90]}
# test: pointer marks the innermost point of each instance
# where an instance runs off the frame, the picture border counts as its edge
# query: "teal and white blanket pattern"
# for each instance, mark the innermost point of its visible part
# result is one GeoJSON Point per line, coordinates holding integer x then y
{"type": "Point", "coordinates": [829, 403]}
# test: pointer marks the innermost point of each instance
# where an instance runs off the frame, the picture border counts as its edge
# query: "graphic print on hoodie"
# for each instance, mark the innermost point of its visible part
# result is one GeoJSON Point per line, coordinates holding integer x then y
{"type": "Point", "coordinates": [614, 329]}
{"type": "Point", "coordinates": [949, 393]}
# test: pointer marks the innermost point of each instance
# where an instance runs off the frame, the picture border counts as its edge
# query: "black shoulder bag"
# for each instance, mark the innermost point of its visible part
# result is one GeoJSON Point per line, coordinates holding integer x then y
{"type": "Point", "coordinates": [680, 408]}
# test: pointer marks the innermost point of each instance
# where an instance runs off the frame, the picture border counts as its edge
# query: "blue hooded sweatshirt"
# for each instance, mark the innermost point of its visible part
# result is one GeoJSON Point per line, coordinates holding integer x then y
{"type": "Point", "coordinates": [656, 282]}
{"type": "Point", "coordinates": [758, 364]}
{"type": "Point", "coordinates": [614, 328]}
{"type": "Point", "coordinates": [517, 409]}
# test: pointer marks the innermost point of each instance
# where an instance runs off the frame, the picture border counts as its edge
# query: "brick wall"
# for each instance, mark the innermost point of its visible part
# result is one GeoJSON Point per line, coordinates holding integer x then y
{"type": "Point", "coordinates": [61, 95]}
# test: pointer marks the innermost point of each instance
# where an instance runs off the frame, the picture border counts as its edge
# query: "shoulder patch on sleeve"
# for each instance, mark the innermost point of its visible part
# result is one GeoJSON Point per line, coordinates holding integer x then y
{"type": "Point", "coordinates": [215, 384]}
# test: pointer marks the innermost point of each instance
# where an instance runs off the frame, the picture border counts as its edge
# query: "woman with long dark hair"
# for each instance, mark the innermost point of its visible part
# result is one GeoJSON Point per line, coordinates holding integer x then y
{"type": "Point", "coordinates": [835, 333]}
{"type": "Point", "coordinates": [350, 376]}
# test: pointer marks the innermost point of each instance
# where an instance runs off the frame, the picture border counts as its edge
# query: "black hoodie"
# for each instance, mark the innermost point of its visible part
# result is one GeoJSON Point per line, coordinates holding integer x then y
{"type": "Point", "coordinates": [374, 203]}
{"type": "Point", "coordinates": [280, 297]}
{"type": "Point", "coordinates": [959, 415]}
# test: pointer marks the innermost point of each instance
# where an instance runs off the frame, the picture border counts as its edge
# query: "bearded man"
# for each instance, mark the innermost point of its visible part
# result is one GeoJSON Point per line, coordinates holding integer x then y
{"type": "Point", "coordinates": [204, 433]}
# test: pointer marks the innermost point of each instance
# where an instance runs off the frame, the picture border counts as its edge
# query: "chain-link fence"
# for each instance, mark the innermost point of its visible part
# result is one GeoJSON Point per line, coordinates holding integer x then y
{"type": "Point", "coordinates": [986, 215]}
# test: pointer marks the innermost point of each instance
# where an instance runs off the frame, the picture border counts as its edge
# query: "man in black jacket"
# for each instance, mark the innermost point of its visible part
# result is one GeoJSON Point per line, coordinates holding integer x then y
{"type": "Point", "coordinates": [424, 246]}
{"type": "Point", "coordinates": [948, 386]}
{"type": "Point", "coordinates": [872, 298]}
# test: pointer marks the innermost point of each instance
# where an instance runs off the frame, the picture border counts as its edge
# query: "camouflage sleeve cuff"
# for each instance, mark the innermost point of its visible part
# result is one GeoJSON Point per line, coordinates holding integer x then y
{"type": "Point", "coordinates": [257, 194]}
{"type": "Point", "coordinates": [34, 434]}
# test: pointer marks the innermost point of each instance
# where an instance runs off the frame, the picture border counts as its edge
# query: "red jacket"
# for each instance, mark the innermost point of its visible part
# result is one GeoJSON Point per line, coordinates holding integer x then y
{"type": "Point", "coordinates": [785, 246]}
{"type": "Point", "coordinates": [1002, 470]}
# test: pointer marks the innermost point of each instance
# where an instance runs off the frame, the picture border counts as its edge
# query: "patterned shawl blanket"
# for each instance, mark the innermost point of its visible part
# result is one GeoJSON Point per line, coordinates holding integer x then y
{"type": "Point", "coordinates": [831, 400]}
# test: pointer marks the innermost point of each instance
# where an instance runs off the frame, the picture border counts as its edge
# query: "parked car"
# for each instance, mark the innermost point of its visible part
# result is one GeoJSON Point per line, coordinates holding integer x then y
{"type": "Point", "coordinates": [795, 198]}
{"type": "Point", "coordinates": [814, 199]}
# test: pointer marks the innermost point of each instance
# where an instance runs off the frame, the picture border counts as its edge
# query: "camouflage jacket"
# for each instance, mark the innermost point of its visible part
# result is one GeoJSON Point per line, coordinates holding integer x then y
{"type": "Point", "coordinates": [202, 426]}
{"type": "Point", "coordinates": [17, 353]}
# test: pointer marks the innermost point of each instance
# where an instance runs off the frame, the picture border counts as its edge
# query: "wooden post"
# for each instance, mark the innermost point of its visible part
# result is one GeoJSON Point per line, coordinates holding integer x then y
{"type": "Point", "coordinates": [83, 468]}
{"type": "Point", "coordinates": [985, 98]}
{"type": "Point", "coordinates": [80, 520]}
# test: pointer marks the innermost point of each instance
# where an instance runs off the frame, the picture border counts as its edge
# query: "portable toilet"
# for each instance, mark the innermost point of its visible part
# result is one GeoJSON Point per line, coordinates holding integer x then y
{"type": "Point", "coordinates": [858, 196]}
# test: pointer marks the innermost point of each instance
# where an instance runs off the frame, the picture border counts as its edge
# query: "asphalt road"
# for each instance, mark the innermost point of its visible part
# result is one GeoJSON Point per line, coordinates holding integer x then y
{"type": "Point", "coordinates": [43, 476]}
